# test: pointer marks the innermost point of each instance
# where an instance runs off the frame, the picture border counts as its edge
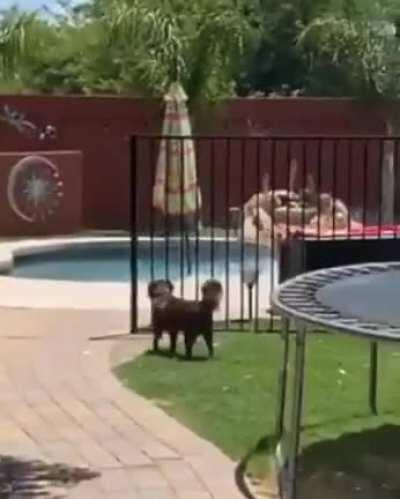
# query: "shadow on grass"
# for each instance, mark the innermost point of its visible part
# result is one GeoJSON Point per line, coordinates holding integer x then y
{"type": "Point", "coordinates": [364, 464]}
{"type": "Point", "coordinates": [167, 355]}
{"type": "Point", "coordinates": [27, 478]}
{"type": "Point", "coordinates": [264, 447]}
{"type": "Point", "coordinates": [358, 465]}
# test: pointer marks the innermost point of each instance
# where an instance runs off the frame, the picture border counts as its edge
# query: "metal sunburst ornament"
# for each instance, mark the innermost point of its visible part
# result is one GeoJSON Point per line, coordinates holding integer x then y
{"type": "Point", "coordinates": [35, 189]}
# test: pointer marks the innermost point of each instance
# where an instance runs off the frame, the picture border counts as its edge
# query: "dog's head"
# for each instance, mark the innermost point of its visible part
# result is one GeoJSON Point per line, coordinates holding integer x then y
{"type": "Point", "coordinates": [161, 287]}
{"type": "Point", "coordinates": [212, 293]}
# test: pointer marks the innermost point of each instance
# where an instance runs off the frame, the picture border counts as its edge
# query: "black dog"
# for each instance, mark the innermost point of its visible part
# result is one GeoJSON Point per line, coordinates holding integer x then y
{"type": "Point", "coordinates": [193, 318]}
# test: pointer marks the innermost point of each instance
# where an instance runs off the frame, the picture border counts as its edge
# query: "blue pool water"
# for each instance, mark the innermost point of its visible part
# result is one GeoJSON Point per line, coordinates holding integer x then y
{"type": "Point", "coordinates": [157, 260]}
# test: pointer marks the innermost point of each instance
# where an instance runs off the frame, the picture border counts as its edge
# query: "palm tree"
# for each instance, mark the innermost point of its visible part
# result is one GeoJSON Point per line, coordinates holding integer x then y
{"type": "Point", "coordinates": [19, 40]}
{"type": "Point", "coordinates": [200, 43]}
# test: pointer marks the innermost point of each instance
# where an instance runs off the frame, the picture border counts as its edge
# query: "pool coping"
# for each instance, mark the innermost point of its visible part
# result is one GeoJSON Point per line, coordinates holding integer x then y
{"type": "Point", "coordinates": [47, 293]}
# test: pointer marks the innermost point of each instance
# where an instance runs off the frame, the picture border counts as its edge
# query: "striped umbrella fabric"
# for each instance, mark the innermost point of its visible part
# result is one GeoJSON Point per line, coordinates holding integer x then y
{"type": "Point", "coordinates": [176, 190]}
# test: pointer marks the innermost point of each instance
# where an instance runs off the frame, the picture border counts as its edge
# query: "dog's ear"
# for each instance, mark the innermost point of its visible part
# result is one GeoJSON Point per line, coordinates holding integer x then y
{"type": "Point", "coordinates": [212, 284]}
{"type": "Point", "coordinates": [218, 286]}
{"type": "Point", "coordinates": [205, 286]}
{"type": "Point", "coordinates": [155, 287]}
{"type": "Point", "coordinates": [212, 292]}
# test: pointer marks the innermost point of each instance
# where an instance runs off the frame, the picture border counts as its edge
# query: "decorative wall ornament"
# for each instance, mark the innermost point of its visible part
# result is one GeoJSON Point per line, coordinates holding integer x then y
{"type": "Point", "coordinates": [34, 189]}
{"type": "Point", "coordinates": [19, 122]}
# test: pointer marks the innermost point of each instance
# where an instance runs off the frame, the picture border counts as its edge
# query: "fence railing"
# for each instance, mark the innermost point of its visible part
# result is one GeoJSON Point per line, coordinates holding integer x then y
{"type": "Point", "coordinates": [221, 207]}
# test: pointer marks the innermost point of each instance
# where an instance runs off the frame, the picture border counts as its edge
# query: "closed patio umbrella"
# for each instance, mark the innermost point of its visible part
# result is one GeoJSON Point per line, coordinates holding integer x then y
{"type": "Point", "coordinates": [176, 190]}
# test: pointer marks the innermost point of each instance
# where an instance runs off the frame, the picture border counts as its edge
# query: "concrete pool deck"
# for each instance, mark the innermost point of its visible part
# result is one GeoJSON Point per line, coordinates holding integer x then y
{"type": "Point", "coordinates": [59, 402]}
{"type": "Point", "coordinates": [57, 294]}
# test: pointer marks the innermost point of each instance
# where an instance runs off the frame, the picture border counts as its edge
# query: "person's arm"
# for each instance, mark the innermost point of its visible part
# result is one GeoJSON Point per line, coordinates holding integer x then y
{"type": "Point", "coordinates": [341, 208]}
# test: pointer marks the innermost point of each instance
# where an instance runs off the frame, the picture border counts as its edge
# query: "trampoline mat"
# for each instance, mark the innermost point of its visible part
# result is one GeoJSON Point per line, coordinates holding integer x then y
{"type": "Point", "coordinates": [369, 298]}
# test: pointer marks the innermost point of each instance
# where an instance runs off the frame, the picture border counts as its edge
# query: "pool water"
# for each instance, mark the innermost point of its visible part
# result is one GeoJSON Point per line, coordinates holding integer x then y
{"type": "Point", "coordinates": [155, 260]}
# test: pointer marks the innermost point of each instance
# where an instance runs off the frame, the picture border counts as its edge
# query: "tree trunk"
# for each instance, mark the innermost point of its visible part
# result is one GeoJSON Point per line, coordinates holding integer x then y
{"type": "Point", "coordinates": [388, 179]}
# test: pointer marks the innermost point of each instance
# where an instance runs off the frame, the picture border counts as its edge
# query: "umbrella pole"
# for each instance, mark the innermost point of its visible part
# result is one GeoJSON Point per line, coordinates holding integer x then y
{"type": "Point", "coordinates": [188, 255]}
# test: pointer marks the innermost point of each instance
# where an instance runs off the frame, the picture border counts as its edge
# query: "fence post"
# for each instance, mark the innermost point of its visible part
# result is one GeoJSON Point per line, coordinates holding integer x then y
{"type": "Point", "coordinates": [133, 236]}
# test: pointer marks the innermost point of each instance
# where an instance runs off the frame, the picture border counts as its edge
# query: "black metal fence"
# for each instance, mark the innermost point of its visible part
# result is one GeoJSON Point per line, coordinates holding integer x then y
{"type": "Point", "coordinates": [257, 194]}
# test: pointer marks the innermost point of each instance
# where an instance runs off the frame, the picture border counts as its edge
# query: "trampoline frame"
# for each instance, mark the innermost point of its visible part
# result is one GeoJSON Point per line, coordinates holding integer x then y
{"type": "Point", "coordinates": [296, 301]}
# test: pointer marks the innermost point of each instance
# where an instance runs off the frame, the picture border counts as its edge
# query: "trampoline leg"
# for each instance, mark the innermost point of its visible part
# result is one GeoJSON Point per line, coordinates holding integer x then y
{"type": "Point", "coordinates": [282, 388]}
{"type": "Point", "coordinates": [133, 240]}
{"type": "Point", "coordinates": [373, 378]}
{"type": "Point", "coordinates": [298, 387]}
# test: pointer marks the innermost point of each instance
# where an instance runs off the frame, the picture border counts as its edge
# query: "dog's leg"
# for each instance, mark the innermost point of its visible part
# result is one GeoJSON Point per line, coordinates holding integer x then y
{"type": "Point", "coordinates": [208, 337]}
{"type": "Point", "coordinates": [173, 337]}
{"type": "Point", "coordinates": [189, 342]}
{"type": "Point", "coordinates": [156, 339]}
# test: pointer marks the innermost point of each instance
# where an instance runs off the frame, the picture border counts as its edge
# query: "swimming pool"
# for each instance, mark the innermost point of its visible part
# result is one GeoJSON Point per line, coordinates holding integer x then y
{"type": "Point", "coordinates": [93, 273]}
{"type": "Point", "coordinates": [157, 259]}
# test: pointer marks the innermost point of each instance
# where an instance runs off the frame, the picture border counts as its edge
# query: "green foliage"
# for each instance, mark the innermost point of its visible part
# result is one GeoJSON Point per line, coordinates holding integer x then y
{"type": "Point", "coordinates": [326, 47]}
{"type": "Point", "coordinates": [200, 43]}
{"type": "Point", "coordinates": [217, 48]}
{"type": "Point", "coordinates": [356, 56]}
{"type": "Point", "coordinates": [131, 46]}
{"type": "Point", "coordinates": [19, 35]}
{"type": "Point", "coordinates": [276, 60]}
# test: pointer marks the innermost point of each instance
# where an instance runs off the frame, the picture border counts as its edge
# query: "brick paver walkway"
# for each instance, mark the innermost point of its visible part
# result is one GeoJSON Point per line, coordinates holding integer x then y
{"type": "Point", "coordinates": [59, 403]}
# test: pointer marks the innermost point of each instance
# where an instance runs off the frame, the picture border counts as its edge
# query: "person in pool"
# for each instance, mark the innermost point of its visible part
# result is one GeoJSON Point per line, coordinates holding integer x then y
{"type": "Point", "coordinates": [259, 228]}
{"type": "Point", "coordinates": [332, 214]}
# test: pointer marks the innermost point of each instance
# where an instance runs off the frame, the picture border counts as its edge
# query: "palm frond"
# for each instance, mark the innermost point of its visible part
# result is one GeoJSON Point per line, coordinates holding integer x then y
{"type": "Point", "coordinates": [19, 38]}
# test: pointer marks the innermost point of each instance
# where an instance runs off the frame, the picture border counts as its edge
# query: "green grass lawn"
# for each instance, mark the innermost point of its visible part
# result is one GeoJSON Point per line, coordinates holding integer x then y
{"type": "Point", "coordinates": [231, 400]}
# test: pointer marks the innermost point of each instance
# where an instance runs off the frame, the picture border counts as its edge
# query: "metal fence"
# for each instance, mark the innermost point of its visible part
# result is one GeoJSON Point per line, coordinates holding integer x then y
{"type": "Point", "coordinates": [257, 193]}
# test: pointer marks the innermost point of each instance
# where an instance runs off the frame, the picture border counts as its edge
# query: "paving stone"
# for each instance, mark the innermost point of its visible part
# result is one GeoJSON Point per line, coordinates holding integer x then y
{"type": "Point", "coordinates": [116, 480]}
{"type": "Point", "coordinates": [87, 490]}
{"type": "Point", "coordinates": [147, 478]}
{"type": "Point", "coordinates": [36, 396]}
{"type": "Point", "coordinates": [157, 494]}
{"type": "Point", "coordinates": [180, 475]}
{"type": "Point", "coordinates": [156, 450]}
{"type": "Point", "coordinates": [34, 426]}
{"type": "Point", "coordinates": [96, 456]}
{"type": "Point", "coordinates": [125, 452]}
{"type": "Point", "coordinates": [126, 495]}
{"type": "Point", "coordinates": [63, 452]}
{"type": "Point", "coordinates": [194, 495]}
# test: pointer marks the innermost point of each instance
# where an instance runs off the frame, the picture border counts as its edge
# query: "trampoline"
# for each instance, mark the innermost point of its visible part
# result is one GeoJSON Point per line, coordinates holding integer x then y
{"type": "Point", "coordinates": [359, 300]}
